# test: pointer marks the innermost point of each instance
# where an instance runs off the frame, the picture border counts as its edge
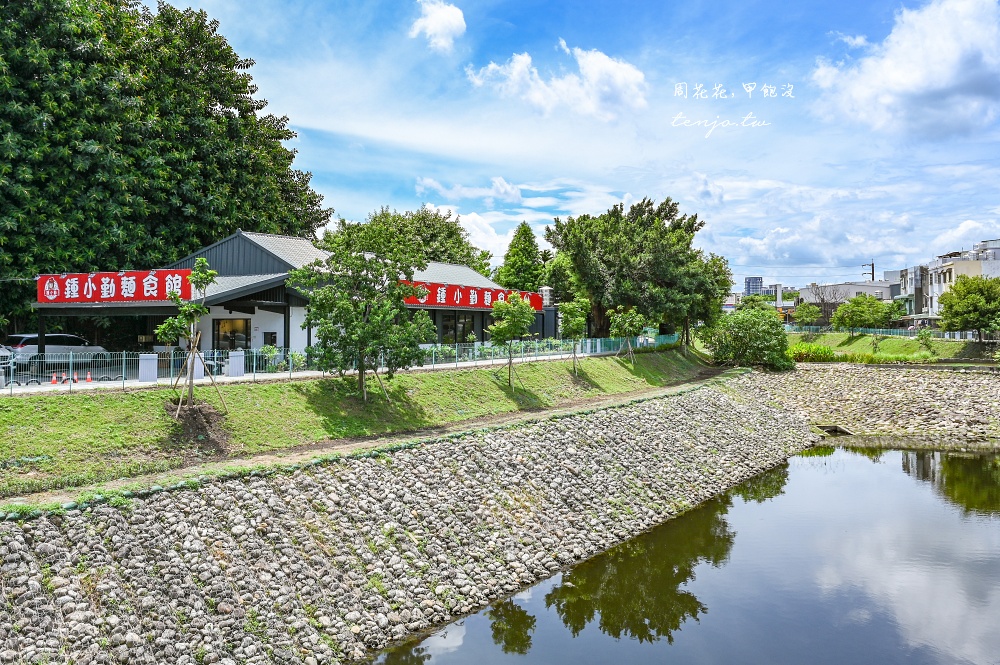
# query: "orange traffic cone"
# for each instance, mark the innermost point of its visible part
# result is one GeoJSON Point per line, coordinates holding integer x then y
{"type": "Point", "coordinates": [89, 380]}
{"type": "Point", "coordinates": [54, 378]}
{"type": "Point", "coordinates": [75, 380]}
{"type": "Point", "coordinates": [65, 378]}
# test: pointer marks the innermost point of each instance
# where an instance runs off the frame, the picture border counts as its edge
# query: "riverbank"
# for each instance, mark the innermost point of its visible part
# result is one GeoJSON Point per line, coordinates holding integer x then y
{"type": "Point", "coordinates": [60, 441]}
{"type": "Point", "coordinates": [334, 561]}
{"type": "Point", "coordinates": [917, 406]}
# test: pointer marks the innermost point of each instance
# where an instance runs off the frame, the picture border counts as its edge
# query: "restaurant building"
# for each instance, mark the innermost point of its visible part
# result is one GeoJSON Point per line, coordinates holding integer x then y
{"type": "Point", "coordinates": [250, 305]}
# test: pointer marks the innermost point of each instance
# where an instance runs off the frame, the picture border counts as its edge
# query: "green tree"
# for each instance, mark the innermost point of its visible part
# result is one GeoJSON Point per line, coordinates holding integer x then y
{"type": "Point", "coordinates": [573, 322]}
{"type": "Point", "coordinates": [865, 311]}
{"type": "Point", "coordinates": [972, 303]}
{"type": "Point", "coordinates": [184, 326]}
{"type": "Point", "coordinates": [522, 264]}
{"type": "Point", "coordinates": [130, 138]}
{"type": "Point", "coordinates": [748, 337]}
{"type": "Point", "coordinates": [358, 310]}
{"type": "Point", "coordinates": [755, 301]}
{"type": "Point", "coordinates": [806, 314]}
{"type": "Point", "coordinates": [512, 319]}
{"type": "Point", "coordinates": [642, 259]}
{"type": "Point", "coordinates": [626, 324]}
{"type": "Point", "coordinates": [435, 235]}
{"type": "Point", "coordinates": [558, 273]}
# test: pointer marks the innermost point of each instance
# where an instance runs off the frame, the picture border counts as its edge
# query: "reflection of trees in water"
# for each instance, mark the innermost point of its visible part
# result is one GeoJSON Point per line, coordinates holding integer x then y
{"type": "Point", "coordinates": [635, 587]}
{"type": "Point", "coordinates": [763, 486]}
{"type": "Point", "coordinates": [874, 454]}
{"type": "Point", "coordinates": [512, 627]}
{"type": "Point", "coordinates": [971, 482]}
{"type": "Point", "coordinates": [405, 655]}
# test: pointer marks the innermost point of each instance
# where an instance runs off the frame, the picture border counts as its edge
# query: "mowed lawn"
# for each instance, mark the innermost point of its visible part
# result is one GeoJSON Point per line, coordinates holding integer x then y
{"type": "Point", "coordinates": [65, 440]}
{"type": "Point", "coordinates": [843, 343]}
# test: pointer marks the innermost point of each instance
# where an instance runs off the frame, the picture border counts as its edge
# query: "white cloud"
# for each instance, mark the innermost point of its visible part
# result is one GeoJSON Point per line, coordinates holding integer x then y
{"type": "Point", "coordinates": [499, 189]}
{"type": "Point", "coordinates": [854, 41]}
{"type": "Point", "coordinates": [936, 74]}
{"type": "Point", "coordinates": [603, 88]}
{"type": "Point", "coordinates": [440, 22]}
{"type": "Point", "coordinates": [964, 235]}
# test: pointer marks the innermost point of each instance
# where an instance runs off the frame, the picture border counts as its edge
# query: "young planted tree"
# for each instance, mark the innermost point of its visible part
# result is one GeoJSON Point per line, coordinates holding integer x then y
{"type": "Point", "coordinates": [806, 314]}
{"type": "Point", "coordinates": [358, 307]}
{"type": "Point", "coordinates": [184, 326]}
{"type": "Point", "coordinates": [627, 323]}
{"type": "Point", "coordinates": [434, 235]}
{"type": "Point", "coordinates": [573, 322]}
{"type": "Point", "coordinates": [512, 319]}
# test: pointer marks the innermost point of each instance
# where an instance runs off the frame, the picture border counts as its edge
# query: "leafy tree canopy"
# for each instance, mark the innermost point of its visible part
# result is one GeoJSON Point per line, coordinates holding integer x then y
{"type": "Point", "coordinates": [130, 138]}
{"type": "Point", "coordinates": [806, 314]}
{"type": "Point", "coordinates": [626, 324]}
{"type": "Point", "coordinates": [865, 311]}
{"type": "Point", "coordinates": [748, 337]}
{"type": "Point", "coordinates": [512, 319]}
{"type": "Point", "coordinates": [972, 303]}
{"type": "Point", "coordinates": [358, 306]}
{"type": "Point", "coordinates": [643, 259]}
{"type": "Point", "coordinates": [522, 264]}
{"type": "Point", "coordinates": [434, 235]}
{"type": "Point", "coordinates": [558, 273]}
{"type": "Point", "coordinates": [755, 302]}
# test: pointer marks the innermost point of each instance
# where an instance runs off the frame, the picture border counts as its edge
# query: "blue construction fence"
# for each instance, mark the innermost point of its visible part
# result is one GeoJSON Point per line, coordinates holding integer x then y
{"type": "Point", "coordinates": [123, 367]}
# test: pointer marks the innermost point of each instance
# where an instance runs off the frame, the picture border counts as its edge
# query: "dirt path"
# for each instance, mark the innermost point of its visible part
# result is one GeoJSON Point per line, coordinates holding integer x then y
{"type": "Point", "coordinates": [305, 453]}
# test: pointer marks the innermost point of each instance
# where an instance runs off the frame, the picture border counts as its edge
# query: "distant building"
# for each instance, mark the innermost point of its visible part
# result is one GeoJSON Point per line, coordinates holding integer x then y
{"type": "Point", "coordinates": [753, 286]}
{"type": "Point", "coordinates": [922, 286]}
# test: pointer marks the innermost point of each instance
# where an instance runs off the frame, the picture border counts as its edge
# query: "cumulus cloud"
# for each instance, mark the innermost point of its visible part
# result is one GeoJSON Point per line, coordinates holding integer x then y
{"type": "Point", "coordinates": [937, 73]}
{"type": "Point", "coordinates": [602, 87]}
{"type": "Point", "coordinates": [965, 234]}
{"type": "Point", "coordinates": [440, 22]}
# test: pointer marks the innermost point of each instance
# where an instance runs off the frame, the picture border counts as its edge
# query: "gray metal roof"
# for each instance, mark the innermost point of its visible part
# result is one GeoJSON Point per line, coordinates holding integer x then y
{"type": "Point", "coordinates": [449, 273]}
{"type": "Point", "coordinates": [297, 252]}
{"type": "Point", "coordinates": [230, 287]}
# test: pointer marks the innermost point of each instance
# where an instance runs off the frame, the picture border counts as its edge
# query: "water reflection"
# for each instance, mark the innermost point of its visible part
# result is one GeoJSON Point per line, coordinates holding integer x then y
{"type": "Point", "coordinates": [858, 563]}
{"type": "Point", "coordinates": [971, 482]}
{"type": "Point", "coordinates": [511, 626]}
{"type": "Point", "coordinates": [637, 590]}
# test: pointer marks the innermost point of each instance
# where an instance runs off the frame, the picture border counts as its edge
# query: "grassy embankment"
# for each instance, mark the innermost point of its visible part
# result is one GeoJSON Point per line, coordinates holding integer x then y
{"type": "Point", "coordinates": [56, 441]}
{"type": "Point", "coordinates": [895, 348]}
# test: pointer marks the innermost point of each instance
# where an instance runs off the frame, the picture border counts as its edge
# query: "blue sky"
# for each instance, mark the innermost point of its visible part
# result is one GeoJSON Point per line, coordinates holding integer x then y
{"type": "Point", "coordinates": [878, 140]}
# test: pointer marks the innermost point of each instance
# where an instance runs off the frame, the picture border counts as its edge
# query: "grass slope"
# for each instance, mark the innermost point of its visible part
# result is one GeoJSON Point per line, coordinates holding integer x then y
{"type": "Point", "coordinates": [842, 343]}
{"type": "Point", "coordinates": [53, 441]}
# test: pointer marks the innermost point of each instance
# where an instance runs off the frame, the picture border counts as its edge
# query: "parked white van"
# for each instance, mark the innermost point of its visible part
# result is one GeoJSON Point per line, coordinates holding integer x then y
{"type": "Point", "coordinates": [58, 348]}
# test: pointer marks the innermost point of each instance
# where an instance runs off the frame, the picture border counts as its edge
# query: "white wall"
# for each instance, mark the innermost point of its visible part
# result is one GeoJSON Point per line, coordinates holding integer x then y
{"type": "Point", "coordinates": [260, 322]}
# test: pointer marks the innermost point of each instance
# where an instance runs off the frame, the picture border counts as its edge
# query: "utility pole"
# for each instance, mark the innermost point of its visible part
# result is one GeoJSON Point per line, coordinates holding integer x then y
{"type": "Point", "coordinates": [869, 265]}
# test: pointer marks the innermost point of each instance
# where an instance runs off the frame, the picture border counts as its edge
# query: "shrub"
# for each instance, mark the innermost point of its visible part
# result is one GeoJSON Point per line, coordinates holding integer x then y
{"type": "Point", "coordinates": [804, 352]}
{"type": "Point", "coordinates": [748, 337]}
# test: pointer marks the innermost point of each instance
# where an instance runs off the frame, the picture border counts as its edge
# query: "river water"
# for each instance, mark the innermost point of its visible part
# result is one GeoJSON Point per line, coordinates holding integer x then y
{"type": "Point", "coordinates": [844, 555]}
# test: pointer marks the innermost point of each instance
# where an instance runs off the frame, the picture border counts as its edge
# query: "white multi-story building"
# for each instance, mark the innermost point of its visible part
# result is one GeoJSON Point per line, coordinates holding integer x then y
{"type": "Point", "coordinates": [982, 260]}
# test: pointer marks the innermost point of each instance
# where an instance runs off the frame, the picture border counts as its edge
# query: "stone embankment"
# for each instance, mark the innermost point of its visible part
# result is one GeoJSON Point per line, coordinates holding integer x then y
{"type": "Point", "coordinates": [934, 406]}
{"type": "Point", "coordinates": [331, 562]}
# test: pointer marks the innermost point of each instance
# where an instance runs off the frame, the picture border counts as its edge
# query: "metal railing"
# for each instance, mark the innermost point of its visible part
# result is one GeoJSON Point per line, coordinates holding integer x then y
{"type": "Point", "coordinates": [69, 370]}
{"type": "Point", "coordinates": [964, 335]}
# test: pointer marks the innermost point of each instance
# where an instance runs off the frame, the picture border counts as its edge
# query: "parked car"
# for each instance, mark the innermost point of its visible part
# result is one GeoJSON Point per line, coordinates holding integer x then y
{"type": "Point", "coordinates": [58, 348]}
{"type": "Point", "coordinates": [5, 359]}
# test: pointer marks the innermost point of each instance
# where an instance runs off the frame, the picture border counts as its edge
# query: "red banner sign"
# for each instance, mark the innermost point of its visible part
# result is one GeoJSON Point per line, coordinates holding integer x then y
{"type": "Point", "coordinates": [127, 286]}
{"type": "Point", "coordinates": [468, 297]}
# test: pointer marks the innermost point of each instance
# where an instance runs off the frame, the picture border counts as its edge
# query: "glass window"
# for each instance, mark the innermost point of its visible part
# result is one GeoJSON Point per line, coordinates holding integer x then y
{"type": "Point", "coordinates": [464, 326]}
{"type": "Point", "coordinates": [230, 334]}
{"type": "Point", "coordinates": [448, 324]}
